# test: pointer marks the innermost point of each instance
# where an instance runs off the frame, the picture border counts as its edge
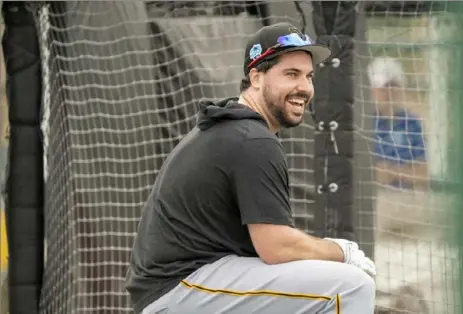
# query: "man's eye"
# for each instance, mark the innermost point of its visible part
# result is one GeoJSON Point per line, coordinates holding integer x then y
{"type": "Point", "coordinates": [292, 74]}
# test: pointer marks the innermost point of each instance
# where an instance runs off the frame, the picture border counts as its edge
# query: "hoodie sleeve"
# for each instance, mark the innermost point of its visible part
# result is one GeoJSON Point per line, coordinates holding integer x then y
{"type": "Point", "coordinates": [261, 182]}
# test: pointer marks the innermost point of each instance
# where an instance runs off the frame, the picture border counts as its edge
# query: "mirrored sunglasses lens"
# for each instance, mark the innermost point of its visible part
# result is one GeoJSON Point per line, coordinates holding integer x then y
{"type": "Point", "coordinates": [293, 40]}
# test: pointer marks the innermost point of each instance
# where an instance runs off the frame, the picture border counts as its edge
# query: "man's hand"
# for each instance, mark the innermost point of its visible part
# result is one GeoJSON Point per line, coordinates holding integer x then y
{"type": "Point", "coordinates": [359, 259]}
{"type": "Point", "coordinates": [354, 256]}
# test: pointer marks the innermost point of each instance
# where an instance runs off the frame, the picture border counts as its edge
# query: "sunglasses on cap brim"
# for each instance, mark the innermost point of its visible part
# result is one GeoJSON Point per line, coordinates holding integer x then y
{"type": "Point", "coordinates": [291, 40]}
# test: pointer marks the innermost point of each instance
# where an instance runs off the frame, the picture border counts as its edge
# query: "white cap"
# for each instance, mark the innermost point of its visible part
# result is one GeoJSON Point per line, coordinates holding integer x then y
{"type": "Point", "coordinates": [386, 70]}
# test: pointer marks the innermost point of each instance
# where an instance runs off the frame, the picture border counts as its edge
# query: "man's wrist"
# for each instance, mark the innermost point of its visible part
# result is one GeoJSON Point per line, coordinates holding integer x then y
{"type": "Point", "coordinates": [334, 250]}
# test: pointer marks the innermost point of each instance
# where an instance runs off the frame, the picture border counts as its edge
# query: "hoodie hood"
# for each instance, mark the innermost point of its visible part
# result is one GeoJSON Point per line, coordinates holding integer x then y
{"type": "Point", "coordinates": [211, 113]}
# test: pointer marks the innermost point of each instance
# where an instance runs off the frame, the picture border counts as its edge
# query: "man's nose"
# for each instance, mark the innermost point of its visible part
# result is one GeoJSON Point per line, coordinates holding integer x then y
{"type": "Point", "coordinates": [305, 86]}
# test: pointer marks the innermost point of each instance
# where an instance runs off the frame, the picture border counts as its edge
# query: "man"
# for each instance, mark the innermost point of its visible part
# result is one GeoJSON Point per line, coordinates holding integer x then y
{"type": "Point", "coordinates": [401, 165]}
{"type": "Point", "coordinates": [405, 210]}
{"type": "Point", "coordinates": [399, 135]}
{"type": "Point", "coordinates": [217, 234]}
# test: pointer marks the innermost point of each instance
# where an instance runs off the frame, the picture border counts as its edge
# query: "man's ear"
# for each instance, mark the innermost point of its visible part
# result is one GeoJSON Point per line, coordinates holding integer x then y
{"type": "Point", "coordinates": [255, 78]}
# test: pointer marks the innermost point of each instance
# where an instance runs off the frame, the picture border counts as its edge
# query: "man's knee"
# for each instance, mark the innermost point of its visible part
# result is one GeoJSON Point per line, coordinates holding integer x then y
{"type": "Point", "coordinates": [337, 278]}
{"type": "Point", "coordinates": [353, 277]}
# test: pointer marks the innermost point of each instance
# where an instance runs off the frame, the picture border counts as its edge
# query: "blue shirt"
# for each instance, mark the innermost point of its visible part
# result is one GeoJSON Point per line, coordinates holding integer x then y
{"type": "Point", "coordinates": [399, 140]}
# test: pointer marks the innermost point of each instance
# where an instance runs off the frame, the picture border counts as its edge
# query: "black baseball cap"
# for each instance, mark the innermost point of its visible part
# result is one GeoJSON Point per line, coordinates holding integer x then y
{"type": "Point", "coordinates": [270, 41]}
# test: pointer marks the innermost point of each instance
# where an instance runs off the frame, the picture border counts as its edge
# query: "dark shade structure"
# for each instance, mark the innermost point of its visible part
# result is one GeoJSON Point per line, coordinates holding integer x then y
{"type": "Point", "coordinates": [334, 23]}
{"type": "Point", "coordinates": [24, 180]}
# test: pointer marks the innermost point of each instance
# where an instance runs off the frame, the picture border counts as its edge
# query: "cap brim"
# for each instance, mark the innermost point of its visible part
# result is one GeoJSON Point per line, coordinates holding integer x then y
{"type": "Point", "coordinates": [319, 53]}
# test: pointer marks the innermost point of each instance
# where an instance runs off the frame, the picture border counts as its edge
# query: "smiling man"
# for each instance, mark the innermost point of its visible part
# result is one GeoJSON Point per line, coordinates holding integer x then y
{"type": "Point", "coordinates": [217, 233]}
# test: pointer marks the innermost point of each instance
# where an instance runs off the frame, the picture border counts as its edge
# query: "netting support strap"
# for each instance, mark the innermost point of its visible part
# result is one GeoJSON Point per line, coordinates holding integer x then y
{"type": "Point", "coordinates": [334, 24]}
{"type": "Point", "coordinates": [24, 187]}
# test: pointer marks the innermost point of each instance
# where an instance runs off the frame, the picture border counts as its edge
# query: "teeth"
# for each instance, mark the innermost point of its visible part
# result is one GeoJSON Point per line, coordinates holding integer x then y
{"type": "Point", "coordinates": [297, 101]}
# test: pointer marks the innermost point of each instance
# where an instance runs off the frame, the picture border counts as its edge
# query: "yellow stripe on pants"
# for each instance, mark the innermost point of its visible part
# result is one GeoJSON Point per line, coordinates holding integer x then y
{"type": "Point", "coordinates": [3, 242]}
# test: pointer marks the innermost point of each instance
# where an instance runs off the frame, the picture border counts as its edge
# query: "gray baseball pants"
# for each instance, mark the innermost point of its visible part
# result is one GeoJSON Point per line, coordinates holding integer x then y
{"type": "Point", "coordinates": [241, 285]}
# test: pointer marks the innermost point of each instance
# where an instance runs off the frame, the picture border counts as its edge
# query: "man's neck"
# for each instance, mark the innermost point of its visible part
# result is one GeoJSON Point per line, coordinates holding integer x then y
{"type": "Point", "coordinates": [248, 100]}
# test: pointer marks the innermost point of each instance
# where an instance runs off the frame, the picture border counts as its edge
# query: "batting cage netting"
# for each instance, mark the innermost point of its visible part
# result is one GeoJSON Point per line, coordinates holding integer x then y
{"type": "Point", "coordinates": [114, 86]}
{"type": "Point", "coordinates": [404, 69]}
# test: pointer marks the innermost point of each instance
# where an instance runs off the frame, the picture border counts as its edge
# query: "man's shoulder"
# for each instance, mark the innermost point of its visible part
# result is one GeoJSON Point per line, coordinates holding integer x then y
{"type": "Point", "coordinates": [249, 129]}
{"type": "Point", "coordinates": [248, 138]}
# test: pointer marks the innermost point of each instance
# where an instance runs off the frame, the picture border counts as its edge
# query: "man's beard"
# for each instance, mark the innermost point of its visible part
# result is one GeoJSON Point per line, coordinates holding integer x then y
{"type": "Point", "coordinates": [277, 109]}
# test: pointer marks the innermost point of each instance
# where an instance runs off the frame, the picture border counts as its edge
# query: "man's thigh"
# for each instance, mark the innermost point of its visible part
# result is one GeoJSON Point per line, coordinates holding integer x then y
{"type": "Point", "coordinates": [247, 285]}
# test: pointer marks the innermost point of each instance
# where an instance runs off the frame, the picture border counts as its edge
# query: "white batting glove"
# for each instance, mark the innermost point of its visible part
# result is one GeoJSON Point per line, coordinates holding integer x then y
{"type": "Point", "coordinates": [361, 261]}
{"type": "Point", "coordinates": [347, 247]}
{"type": "Point", "coordinates": [354, 256]}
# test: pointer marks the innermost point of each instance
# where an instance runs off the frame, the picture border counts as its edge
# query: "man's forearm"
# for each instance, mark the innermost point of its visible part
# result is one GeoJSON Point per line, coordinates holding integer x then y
{"type": "Point", "coordinates": [297, 245]}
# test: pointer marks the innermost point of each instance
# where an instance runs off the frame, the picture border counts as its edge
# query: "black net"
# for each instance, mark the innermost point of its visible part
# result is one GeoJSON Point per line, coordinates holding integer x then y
{"type": "Point", "coordinates": [122, 83]}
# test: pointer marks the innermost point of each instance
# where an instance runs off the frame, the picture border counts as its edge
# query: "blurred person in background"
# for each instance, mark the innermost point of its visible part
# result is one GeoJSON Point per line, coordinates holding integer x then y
{"type": "Point", "coordinates": [399, 148]}
{"type": "Point", "coordinates": [399, 145]}
{"type": "Point", "coordinates": [409, 215]}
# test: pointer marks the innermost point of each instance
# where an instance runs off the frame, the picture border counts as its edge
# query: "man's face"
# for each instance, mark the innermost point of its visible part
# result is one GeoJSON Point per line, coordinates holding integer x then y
{"type": "Point", "coordinates": [385, 97]}
{"type": "Point", "coordinates": [288, 88]}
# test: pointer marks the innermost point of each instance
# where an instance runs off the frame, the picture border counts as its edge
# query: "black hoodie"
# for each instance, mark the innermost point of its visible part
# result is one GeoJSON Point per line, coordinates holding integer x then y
{"type": "Point", "coordinates": [228, 172]}
{"type": "Point", "coordinates": [228, 109]}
